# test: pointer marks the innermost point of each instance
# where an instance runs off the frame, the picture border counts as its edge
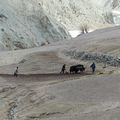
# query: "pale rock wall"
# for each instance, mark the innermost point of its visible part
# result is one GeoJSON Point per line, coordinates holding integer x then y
{"type": "Point", "coordinates": [24, 24]}
{"type": "Point", "coordinates": [74, 13]}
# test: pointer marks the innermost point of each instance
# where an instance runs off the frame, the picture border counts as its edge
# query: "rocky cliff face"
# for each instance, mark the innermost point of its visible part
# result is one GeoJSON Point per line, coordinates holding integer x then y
{"type": "Point", "coordinates": [28, 23]}
{"type": "Point", "coordinates": [112, 8]}
{"type": "Point", "coordinates": [25, 24]}
{"type": "Point", "coordinates": [73, 13]}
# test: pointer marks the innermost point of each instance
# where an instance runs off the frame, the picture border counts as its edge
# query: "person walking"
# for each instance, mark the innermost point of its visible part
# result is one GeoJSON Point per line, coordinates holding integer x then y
{"type": "Point", "coordinates": [16, 72]}
{"type": "Point", "coordinates": [63, 69]}
{"type": "Point", "coordinates": [93, 66]}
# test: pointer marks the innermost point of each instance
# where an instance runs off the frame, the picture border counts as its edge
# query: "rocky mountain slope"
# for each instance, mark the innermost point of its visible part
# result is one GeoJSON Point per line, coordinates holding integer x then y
{"type": "Point", "coordinates": [39, 95]}
{"type": "Point", "coordinates": [25, 24]}
{"type": "Point", "coordinates": [74, 13]}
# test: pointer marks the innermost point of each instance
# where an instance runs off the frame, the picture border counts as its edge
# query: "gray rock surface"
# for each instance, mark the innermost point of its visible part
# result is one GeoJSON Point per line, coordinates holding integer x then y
{"type": "Point", "coordinates": [25, 24]}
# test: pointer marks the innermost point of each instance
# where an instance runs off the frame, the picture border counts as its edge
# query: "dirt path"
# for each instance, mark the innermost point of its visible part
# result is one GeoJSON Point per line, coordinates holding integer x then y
{"type": "Point", "coordinates": [44, 77]}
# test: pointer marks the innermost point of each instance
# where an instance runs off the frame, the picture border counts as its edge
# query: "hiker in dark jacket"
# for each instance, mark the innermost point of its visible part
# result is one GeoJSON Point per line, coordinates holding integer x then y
{"type": "Point", "coordinates": [93, 66]}
{"type": "Point", "coordinates": [16, 72]}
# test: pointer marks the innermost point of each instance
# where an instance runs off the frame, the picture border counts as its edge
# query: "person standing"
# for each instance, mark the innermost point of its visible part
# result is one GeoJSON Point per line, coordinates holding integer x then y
{"type": "Point", "coordinates": [93, 66]}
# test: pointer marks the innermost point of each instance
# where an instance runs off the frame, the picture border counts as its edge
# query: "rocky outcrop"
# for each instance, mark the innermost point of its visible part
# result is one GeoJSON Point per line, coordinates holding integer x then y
{"type": "Point", "coordinates": [74, 13]}
{"type": "Point", "coordinates": [25, 24]}
{"type": "Point", "coordinates": [97, 57]}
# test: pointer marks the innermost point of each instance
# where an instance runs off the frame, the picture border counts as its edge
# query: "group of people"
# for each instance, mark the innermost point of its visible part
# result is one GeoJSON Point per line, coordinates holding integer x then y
{"type": "Point", "coordinates": [63, 70]}
{"type": "Point", "coordinates": [92, 66]}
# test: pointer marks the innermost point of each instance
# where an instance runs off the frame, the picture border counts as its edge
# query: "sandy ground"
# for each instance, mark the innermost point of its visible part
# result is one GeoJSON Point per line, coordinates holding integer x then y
{"type": "Point", "coordinates": [36, 97]}
{"type": "Point", "coordinates": [41, 93]}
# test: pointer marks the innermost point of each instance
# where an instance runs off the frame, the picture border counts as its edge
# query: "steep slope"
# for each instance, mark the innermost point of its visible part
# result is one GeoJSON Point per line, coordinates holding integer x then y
{"type": "Point", "coordinates": [112, 7]}
{"type": "Point", "coordinates": [25, 24]}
